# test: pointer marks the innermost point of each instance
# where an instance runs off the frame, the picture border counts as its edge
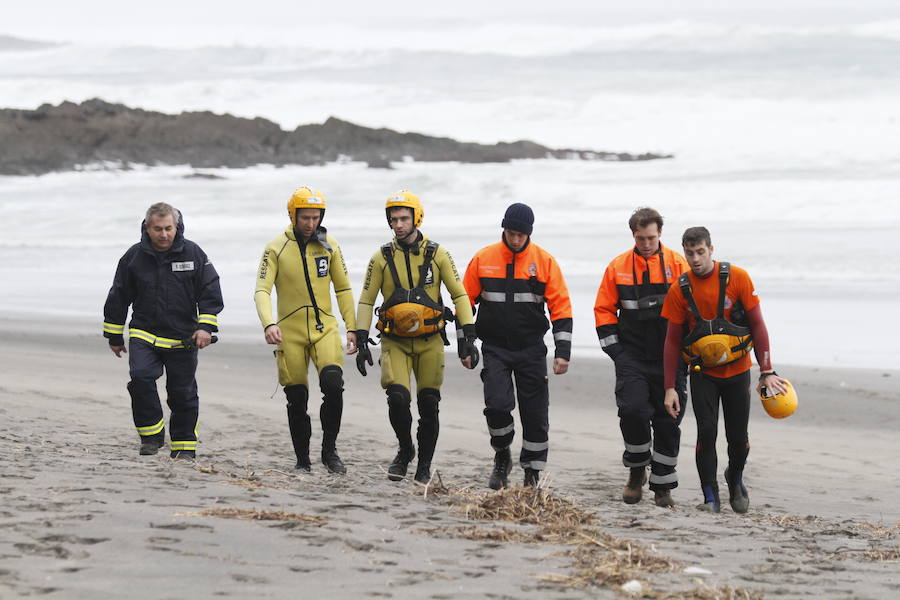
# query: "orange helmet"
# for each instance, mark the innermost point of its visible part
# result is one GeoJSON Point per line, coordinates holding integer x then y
{"type": "Point", "coordinates": [305, 197]}
{"type": "Point", "coordinates": [780, 406]}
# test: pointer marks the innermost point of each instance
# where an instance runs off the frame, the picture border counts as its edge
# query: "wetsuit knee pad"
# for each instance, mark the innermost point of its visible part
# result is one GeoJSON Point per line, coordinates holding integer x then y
{"type": "Point", "coordinates": [331, 380]}
{"type": "Point", "coordinates": [297, 396]}
{"type": "Point", "coordinates": [428, 400]}
{"type": "Point", "coordinates": [398, 396]}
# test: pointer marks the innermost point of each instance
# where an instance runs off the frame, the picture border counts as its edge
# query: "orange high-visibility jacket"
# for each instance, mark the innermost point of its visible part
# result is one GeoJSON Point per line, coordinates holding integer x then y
{"type": "Point", "coordinates": [511, 290]}
{"type": "Point", "coordinates": [627, 309]}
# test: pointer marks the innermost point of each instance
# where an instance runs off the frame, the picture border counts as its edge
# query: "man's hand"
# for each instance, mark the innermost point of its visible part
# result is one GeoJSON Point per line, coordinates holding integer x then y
{"type": "Point", "coordinates": [118, 350]}
{"type": "Point", "coordinates": [466, 348]}
{"type": "Point", "coordinates": [773, 383]}
{"type": "Point", "coordinates": [365, 355]}
{"type": "Point", "coordinates": [560, 366]}
{"type": "Point", "coordinates": [273, 334]}
{"type": "Point", "coordinates": [351, 343]}
{"type": "Point", "coordinates": [202, 338]}
{"type": "Point", "coordinates": [672, 402]}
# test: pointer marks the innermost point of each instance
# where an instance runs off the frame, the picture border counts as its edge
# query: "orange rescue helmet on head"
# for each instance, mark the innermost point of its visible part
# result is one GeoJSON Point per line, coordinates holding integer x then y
{"type": "Point", "coordinates": [780, 406]}
{"type": "Point", "coordinates": [305, 197]}
{"type": "Point", "coordinates": [405, 199]}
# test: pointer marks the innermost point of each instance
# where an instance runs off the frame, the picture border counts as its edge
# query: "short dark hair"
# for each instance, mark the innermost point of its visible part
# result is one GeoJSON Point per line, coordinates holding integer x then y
{"type": "Point", "coordinates": [693, 236]}
{"type": "Point", "coordinates": [643, 216]}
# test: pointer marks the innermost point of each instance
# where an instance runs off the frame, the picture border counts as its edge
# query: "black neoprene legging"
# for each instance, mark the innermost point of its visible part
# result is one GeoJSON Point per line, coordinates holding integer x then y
{"type": "Point", "coordinates": [735, 395]}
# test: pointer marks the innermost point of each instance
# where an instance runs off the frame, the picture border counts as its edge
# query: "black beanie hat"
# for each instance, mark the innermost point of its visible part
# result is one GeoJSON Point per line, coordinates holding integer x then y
{"type": "Point", "coordinates": [519, 217]}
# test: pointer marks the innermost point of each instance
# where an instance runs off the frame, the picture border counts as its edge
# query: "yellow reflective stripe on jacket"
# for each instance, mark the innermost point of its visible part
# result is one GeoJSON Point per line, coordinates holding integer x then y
{"type": "Point", "coordinates": [208, 320]}
{"type": "Point", "coordinates": [113, 328]}
{"type": "Point", "coordinates": [154, 340]}
{"type": "Point", "coordinates": [151, 429]}
{"type": "Point", "coordinates": [187, 445]}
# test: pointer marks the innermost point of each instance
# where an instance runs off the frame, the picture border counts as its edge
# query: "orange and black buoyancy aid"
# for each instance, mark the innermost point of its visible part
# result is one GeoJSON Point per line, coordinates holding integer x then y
{"type": "Point", "coordinates": [715, 342]}
{"type": "Point", "coordinates": [411, 313]}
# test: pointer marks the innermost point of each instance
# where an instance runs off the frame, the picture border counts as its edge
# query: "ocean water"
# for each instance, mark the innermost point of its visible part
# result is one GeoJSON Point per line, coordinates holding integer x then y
{"type": "Point", "coordinates": [785, 142]}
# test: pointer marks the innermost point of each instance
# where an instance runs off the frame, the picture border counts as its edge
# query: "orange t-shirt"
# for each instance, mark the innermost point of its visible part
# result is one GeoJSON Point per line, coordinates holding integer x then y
{"type": "Point", "coordinates": [706, 295]}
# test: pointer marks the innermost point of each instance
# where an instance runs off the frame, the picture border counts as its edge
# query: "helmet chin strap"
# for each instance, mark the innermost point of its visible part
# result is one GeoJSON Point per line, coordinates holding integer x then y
{"type": "Point", "coordinates": [414, 234]}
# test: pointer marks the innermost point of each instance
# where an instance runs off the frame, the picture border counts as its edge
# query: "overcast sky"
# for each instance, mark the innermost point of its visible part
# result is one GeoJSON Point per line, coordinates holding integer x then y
{"type": "Point", "coordinates": [201, 22]}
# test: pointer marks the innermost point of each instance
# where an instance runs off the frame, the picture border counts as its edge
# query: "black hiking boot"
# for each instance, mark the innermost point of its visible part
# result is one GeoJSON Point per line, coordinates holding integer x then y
{"type": "Point", "coordinates": [423, 472]}
{"type": "Point", "coordinates": [303, 464]}
{"type": "Point", "coordinates": [184, 454]}
{"type": "Point", "coordinates": [152, 443]}
{"type": "Point", "coordinates": [634, 489]}
{"type": "Point", "coordinates": [398, 467]}
{"type": "Point", "coordinates": [532, 477]}
{"type": "Point", "coordinates": [332, 461]}
{"type": "Point", "coordinates": [502, 466]}
{"type": "Point", "coordinates": [737, 493]}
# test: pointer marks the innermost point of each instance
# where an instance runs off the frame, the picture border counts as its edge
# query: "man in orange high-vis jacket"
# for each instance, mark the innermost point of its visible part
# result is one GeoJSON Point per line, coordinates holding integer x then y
{"type": "Point", "coordinates": [632, 333]}
{"type": "Point", "coordinates": [511, 281]}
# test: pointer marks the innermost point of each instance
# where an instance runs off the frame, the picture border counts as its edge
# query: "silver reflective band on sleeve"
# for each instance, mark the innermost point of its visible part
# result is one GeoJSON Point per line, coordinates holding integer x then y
{"type": "Point", "coordinates": [502, 431]}
{"type": "Point", "coordinates": [562, 336]}
{"type": "Point", "coordinates": [670, 478]}
{"type": "Point", "coordinates": [517, 297]}
{"type": "Point", "coordinates": [636, 448]}
{"type": "Point", "coordinates": [535, 446]}
{"type": "Point", "coordinates": [665, 460]}
{"type": "Point", "coordinates": [629, 304]}
{"type": "Point", "coordinates": [537, 465]}
{"type": "Point", "coordinates": [609, 340]}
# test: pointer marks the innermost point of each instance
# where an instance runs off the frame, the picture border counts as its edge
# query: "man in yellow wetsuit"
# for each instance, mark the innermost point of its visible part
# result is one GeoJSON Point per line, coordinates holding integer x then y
{"type": "Point", "coordinates": [408, 272]}
{"type": "Point", "coordinates": [302, 264]}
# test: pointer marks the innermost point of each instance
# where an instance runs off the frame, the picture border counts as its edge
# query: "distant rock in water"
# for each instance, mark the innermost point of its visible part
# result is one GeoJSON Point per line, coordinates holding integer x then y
{"type": "Point", "coordinates": [68, 136]}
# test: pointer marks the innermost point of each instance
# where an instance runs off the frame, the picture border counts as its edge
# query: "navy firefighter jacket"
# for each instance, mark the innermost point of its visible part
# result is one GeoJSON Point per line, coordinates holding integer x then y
{"type": "Point", "coordinates": [172, 294]}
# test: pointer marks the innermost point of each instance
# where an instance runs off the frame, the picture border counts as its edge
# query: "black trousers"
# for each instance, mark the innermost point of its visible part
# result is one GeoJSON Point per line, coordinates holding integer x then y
{"type": "Point", "coordinates": [146, 364]}
{"type": "Point", "coordinates": [734, 393]}
{"type": "Point", "coordinates": [528, 367]}
{"type": "Point", "coordinates": [640, 392]}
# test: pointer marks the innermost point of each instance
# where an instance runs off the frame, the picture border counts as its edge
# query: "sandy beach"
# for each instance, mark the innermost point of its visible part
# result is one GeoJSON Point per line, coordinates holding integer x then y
{"type": "Point", "coordinates": [83, 516]}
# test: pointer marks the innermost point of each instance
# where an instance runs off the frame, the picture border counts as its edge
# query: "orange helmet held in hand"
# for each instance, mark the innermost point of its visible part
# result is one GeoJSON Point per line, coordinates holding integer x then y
{"type": "Point", "coordinates": [780, 406]}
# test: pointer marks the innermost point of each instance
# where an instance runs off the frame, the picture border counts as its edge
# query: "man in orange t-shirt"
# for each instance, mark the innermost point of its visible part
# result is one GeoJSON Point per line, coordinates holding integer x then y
{"type": "Point", "coordinates": [728, 383]}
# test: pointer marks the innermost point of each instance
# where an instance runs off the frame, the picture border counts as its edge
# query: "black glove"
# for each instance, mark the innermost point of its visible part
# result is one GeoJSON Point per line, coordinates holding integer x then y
{"type": "Point", "coordinates": [465, 344]}
{"type": "Point", "coordinates": [364, 355]}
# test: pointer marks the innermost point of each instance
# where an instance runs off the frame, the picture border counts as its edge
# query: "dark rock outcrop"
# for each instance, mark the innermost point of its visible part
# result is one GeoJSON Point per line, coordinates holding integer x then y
{"type": "Point", "coordinates": [65, 137]}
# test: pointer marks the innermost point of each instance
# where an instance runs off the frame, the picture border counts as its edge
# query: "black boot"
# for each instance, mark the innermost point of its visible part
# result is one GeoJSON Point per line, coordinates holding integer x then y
{"type": "Point", "coordinates": [502, 466]}
{"type": "Point", "coordinates": [532, 477]}
{"type": "Point", "coordinates": [737, 493]}
{"type": "Point", "coordinates": [427, 434]}
{"type": "Point", "coordinates": [400, 464]}
{"type": "Point", "coordinates": [423, 472]}
{"type": "Point", "coordinates": [331, 381]}
{"type": "Point", "coordinates": [152, 443]}
{"type": "Point", "coordinates": [299, 423]}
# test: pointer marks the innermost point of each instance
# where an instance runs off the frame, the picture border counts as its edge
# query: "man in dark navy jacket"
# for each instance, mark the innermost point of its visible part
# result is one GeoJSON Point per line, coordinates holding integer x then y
{"type": "Point", "coordinates": [175, 297]}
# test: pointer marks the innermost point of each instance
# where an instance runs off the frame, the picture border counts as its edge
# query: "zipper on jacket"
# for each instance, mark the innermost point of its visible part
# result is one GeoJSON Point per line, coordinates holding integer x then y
{"type": "Point", "coordinates": [312, 295]}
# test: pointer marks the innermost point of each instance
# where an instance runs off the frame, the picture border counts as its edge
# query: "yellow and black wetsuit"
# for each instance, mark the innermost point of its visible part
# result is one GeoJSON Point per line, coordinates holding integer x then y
{"type": "Point", "coordinates": [303, 274]}
{"type": "Point", "coordinates": [422, 356]}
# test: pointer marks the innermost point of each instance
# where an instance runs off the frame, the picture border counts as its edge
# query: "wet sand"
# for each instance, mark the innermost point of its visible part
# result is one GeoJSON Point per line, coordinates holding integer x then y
{"type": "Point", "coordinates": [83, 516]}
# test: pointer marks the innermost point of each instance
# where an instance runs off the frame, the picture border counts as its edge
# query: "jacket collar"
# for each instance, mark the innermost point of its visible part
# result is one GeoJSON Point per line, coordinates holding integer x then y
{"type": "Point", "coordinates": [321, 236]}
